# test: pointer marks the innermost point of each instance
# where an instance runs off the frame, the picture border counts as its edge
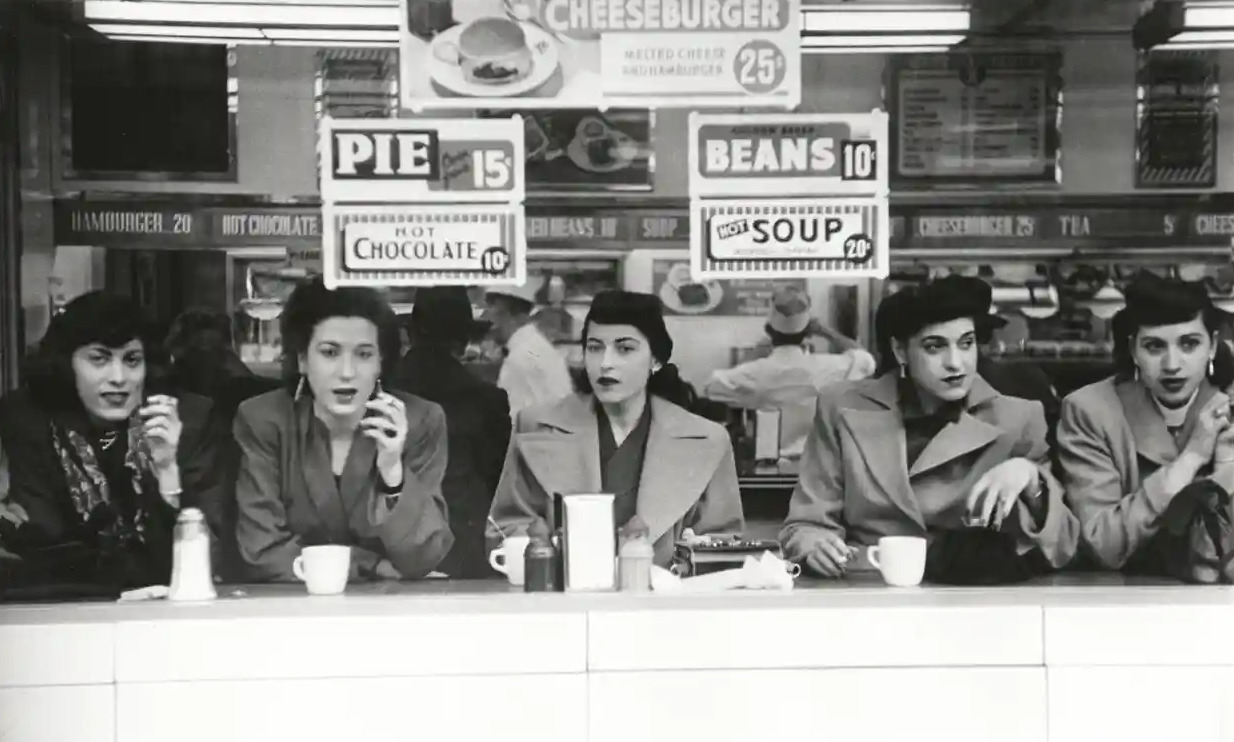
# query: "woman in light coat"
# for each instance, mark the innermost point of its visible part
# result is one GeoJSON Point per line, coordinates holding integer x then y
{"type": "Point", "coordinates": [926, 447]}
{"type": "Point", "coordinates": [627, 433]}
{"type": "Point", "coordinates": [1129, 444]}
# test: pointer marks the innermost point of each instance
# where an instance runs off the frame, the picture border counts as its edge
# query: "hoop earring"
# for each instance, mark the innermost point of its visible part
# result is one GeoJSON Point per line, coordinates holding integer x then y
{"type": "Point", "coordinates": [299, 388]}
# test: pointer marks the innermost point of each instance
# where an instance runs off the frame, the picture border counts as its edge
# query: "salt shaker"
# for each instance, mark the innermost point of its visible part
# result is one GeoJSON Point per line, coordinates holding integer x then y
{"type": "Point", "coordinates": [635, 557]}
{"type": "Point", "coordinates": [192, 579]}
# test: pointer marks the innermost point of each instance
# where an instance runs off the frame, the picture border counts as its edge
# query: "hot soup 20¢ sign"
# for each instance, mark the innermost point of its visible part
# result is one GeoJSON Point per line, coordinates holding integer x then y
{"type": "Point", "coordinates": [789, 196]}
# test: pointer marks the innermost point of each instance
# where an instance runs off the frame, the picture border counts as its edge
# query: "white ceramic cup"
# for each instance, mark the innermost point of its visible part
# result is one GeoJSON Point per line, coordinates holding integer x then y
{"type": "Point", "coordinates": [323, 569]}
{"type": "Point", "coordinates": [508, 558]}
{"type": "Point", "coordinates": [901, 559]}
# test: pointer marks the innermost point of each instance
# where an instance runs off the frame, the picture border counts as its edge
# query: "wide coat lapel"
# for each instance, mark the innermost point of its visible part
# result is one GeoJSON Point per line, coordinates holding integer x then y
{"type": "Point", "coordinates": [563, 451]}
{"type": "Point", "coordinates": [967, 434]}
{"type": "Point", "coordinates": [679, 463]}
{"type": "Point", "coordinates": [879, 435]}
{"type": "Point", "coordinates": [1152, 439]}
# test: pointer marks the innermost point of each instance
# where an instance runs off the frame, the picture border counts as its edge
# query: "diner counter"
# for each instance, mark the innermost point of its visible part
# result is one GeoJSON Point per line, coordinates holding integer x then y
{"type": "Point", "coordinates": [1068, 658]}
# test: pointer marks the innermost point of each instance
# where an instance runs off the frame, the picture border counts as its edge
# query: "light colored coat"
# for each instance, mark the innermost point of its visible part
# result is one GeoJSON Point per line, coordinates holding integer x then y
{"type": "Point", "coordinates": [1112, 446]}
{"type": "Point", "coordinates": [855, 480]}
{"type": "Point", "coordinates": [689, 477]}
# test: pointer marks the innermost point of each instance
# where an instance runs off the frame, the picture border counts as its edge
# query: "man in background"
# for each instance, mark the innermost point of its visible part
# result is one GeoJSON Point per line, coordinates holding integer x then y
{"type": "Point", "coordinates": [533, 371]}
{"type": "Point", "coordinates": [790, 378]}
{"type": "Point", "coordinates": [477, 419]}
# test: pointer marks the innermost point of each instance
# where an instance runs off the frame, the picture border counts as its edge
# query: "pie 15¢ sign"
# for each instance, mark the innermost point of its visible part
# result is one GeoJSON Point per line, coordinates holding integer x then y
{"type": "Point", "coordinates": [789, 196]}
{"type": "Point", "coordinates": [418, 202]}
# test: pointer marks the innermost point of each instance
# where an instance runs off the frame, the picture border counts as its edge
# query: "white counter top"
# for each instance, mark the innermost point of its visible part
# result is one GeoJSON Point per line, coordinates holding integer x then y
{"type": "Point", "coordinates": [1079, 653]}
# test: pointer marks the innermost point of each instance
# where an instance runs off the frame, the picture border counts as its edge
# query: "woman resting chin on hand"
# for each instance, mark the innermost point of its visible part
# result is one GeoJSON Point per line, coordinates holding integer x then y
{"type": "Point", "coordinates": [334, 458]}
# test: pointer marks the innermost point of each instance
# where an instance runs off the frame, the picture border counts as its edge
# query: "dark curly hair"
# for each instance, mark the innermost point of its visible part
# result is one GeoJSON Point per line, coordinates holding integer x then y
{"type": "Point", "coordinates": [311, 303]}
{"type": "Point", "coordinates": [95, 317]}
{"type": "Point", "coordinates": [1154, 301]}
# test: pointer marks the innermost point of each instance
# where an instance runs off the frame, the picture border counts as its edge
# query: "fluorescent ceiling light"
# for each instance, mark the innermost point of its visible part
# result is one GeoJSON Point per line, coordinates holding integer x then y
{"type": "Point", "coordinates": [188, 39]}
{"type": "Point", "coordinates": [335, 34]}
{"type": "Point", "coordinates": [867, 43]}
{"type": "Point", "coordinates": [244, 14]}
{"type": "Point", "coordinates": [1200, 39]}
{"type": "Point", "coordinates": [1214, 15]}
{"type": "Point", "coordinates": [835, 20]}
{"type": "Point", "coordinates": [336, 43]}
{"type": "Point", "coordinates": [149, 30]}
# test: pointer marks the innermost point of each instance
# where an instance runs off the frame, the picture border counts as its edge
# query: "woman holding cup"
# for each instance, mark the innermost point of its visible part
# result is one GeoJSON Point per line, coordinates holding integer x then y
{"type": "Point", "coordinates": [1132, 444]}
{"type": "Point", "coordinates": [335, 459]}
{"type": "Point", "coordinates": [626, 432]}
{"type": "Point", "coordinates": [926, 448]}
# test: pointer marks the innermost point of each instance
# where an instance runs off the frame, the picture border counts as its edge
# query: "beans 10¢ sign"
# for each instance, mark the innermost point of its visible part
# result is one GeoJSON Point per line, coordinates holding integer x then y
{"type": "Point", "coordinates": [789, 196]}
{"type": "Point", "coordinates": [420, 202]}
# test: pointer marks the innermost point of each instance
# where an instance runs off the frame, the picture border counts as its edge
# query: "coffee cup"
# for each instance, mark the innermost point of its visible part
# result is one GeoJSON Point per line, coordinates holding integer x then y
{"type": "Point", "coordinates": [488, 51]}
{"type": "Point", "coordinates": [901, 559]}
{"type": "Point", "coordinates": [508, 558]}
{"type": "Point", "coordinates": [323, 569]}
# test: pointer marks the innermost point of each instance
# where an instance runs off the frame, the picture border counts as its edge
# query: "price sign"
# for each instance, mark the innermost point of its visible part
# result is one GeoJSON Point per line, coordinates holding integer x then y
{"type": "Point", "coordinates": [414, 160]}
{"type": "Point", "coordinates": [790, 239]}
{"type": "Point", "coordinates": [424, 245]}
{"type": "Point", "coordinates": [789, 196]}
{"type": "Point", "coordinates": [417, 202]}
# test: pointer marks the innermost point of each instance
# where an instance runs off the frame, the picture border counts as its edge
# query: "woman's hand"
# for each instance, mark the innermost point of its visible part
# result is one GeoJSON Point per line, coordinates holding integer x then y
{"type": "Point", "coordinates": [162, 428]}
{"type": "Point", "coordinates": [1223, 450]}
{"type": "Point", "coordinates": [1212, 420]}
{"type": "Point", "coordinates": [994, 495]}
{"type": "Point", "coordinates": [829, 555]}
{"type": "Point", "coordinates": [386, 423]}
{"type": "Point", "coordinates": [386, 571]}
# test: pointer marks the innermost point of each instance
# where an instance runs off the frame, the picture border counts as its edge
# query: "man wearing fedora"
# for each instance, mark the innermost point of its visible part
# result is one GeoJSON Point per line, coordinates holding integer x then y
{"type": "Point", "coordinates": [790, 378]}
{"type": "Point", "coordinates": [533, 371]}
{"type": "Point", "coordinates": [477, 418]}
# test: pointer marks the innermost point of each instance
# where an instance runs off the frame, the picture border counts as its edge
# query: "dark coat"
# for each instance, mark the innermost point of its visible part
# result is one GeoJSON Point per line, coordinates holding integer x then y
{"type": "Point", "coordinates": [287, 496]}
{"type": "Point", "coordinates": [478, 421]}
{"type": "Point", "coordinates": [37, 484]}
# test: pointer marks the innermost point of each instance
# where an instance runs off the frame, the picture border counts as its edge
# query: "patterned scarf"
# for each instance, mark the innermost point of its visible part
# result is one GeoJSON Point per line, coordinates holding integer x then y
{"type": "Point", "coordinates": [88, 485]}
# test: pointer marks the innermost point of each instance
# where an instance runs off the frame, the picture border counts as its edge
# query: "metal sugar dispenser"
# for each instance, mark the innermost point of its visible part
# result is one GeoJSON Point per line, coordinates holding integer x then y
{"type": "Point", "coordinates": [192, 579]}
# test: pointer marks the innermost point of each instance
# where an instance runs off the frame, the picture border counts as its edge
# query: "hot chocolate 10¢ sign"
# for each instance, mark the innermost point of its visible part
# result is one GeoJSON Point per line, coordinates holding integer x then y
{"type": "Point", "coordinates": [457, 54]}
{"type": "Point", "coordinates": [789, 196]}
{"type": "Point", "coordinates": [420, 202]}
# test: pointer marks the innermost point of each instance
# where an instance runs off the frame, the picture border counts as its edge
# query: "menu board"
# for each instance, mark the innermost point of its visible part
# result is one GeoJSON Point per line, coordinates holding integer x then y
{"type": "Point", "coordinates": [975, 117]}
{"type": "Point", "coordinates": [681, 295]}
{"type": "Point", "coordinates": [1176, 120]}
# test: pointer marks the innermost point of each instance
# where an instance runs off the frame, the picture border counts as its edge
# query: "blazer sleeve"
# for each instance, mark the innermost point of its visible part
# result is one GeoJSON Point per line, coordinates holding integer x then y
{"type": "Point", "coordinates": [519, 499]}
{"type": "Point", "coordinates": [264, 539]}
{"type": "Point", "coordinates": [719, 510]}
{"type": "Point", "coordinates": [1057, 534]}
{"type": "Point", "coordinates": [416, 533]}
{"type": "Point", "coordinates": [1113, 523]}
{"type": "Point", "coordinates": [817, 504]}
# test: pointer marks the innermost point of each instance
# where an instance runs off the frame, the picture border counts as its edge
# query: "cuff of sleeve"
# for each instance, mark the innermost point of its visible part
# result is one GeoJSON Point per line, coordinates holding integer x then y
{"type": "Point", "coordinates": [1155, 494]}
{"type": "Point", "coordinates": [1044, 526]}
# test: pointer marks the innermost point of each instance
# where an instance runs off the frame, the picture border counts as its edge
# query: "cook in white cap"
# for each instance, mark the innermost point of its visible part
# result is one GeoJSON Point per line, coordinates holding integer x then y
{"type": "Point", "coordinates": [534, 371]}
{"type": "Point", "coordinates": [790, 378]}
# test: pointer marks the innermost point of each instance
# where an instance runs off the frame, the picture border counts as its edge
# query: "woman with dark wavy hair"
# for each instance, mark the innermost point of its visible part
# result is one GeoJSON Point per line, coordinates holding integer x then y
{"type": "Point", "coordinates": [333, 457]}
{"type": "Point", "coordinates": [102, 459]}
{"type": "Point", "coordinates": [627, 432]}
{"type": "Point", "coordinates": [1130, 445]}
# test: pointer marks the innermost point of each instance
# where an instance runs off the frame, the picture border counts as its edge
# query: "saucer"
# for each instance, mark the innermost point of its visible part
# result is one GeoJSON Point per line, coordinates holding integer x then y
{"type": "Point", "coordinates": [545, 59]}
{"type": "Point", "coordinates": [626, 151]}
{"type": "Point", "coordinates": [715, 294]}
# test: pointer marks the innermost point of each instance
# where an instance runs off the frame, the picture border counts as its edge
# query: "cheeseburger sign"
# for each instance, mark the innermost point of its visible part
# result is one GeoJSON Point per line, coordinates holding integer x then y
{"type": "Point", "coordinates": [789, 196]}
{"type": "Point", "coordinates": [600, 53]}
{"type": "Point", "coordinates": [423, 202]}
